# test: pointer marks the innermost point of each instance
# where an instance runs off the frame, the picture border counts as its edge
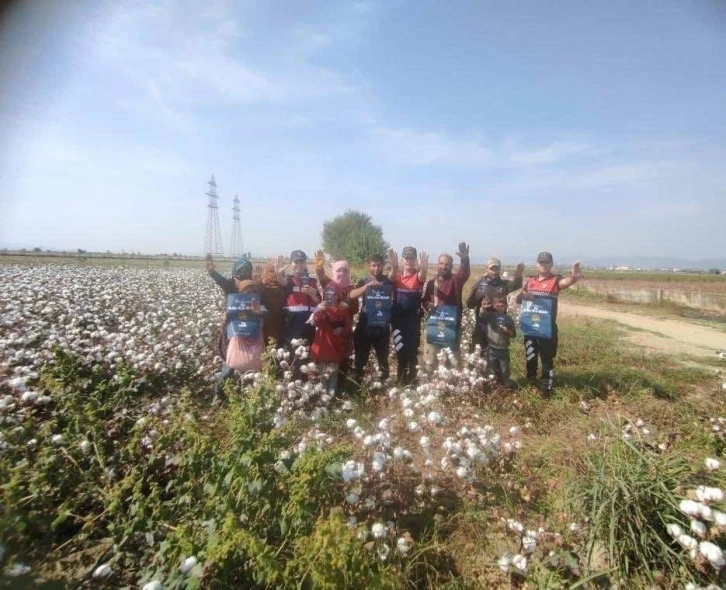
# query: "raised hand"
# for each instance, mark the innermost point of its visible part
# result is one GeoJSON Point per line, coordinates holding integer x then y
{"type": "Point", "coordinates": [423, 262]}
{"type": "Point", "coordinates": [577, 270]}
{"type": "Point", "coordinates": [519, 271]}
{"type": "Point", "coordinates": [209, 263]}
{"type": "Point", "coordinates": [319, 259]}
{"type": "Point", "coordinates": [393, 258]}
{"type": "Point", "coordinates": [463, 250]}
{"type": "Point", "coordinates": [279, 264]}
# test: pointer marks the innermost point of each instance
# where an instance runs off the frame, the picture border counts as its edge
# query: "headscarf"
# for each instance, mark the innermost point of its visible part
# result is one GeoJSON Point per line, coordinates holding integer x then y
{"type": "Point", "coordinates": [335, 266]}
{"type": "Point", "coordinates": [242, 269]}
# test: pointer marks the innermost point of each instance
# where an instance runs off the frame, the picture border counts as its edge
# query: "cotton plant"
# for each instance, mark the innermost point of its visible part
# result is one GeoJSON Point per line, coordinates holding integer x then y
{"type": "Point", "coordinates": [703, 539]}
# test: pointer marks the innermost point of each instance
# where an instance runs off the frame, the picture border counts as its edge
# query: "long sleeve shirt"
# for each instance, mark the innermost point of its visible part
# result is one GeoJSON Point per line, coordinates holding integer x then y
{"type": "Point", "coordinates": [448, 291]}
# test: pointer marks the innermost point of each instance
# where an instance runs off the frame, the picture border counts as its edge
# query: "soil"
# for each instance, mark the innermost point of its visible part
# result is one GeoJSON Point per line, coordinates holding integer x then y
{"type": "Point", "coordinates": [668, 336]}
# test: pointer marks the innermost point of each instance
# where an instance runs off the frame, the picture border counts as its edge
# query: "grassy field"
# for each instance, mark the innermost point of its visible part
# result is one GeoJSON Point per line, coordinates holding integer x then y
{"type": "Point", "coordinates": [593, 476]}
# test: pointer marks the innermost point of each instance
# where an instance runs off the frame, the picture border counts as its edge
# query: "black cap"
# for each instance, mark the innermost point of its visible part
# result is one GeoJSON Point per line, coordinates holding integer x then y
{"type": "Point", "coordinates": [545, 257]}
{"type": "Point", "coordinates": [409, 252]}
{"type": "Point", "coordinates": [298, 256]}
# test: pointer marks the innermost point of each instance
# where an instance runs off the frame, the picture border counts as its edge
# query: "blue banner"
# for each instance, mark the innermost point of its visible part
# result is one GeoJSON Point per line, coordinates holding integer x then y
{"type": "Point", "coordinates": [535, 317]}
{"type": "Point", "coordinates": [241, 301]}
{"type": "Point", "coordinates": [379, 305]}
{"type": "Point", "coordinates": [441, 325]}
{"type": "Point", "coordinates": [248, 327]}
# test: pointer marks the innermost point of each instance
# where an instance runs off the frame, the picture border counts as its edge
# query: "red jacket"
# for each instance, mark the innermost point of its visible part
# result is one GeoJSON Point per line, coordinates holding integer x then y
{"type": "Point", "coordinates": [333, 327]}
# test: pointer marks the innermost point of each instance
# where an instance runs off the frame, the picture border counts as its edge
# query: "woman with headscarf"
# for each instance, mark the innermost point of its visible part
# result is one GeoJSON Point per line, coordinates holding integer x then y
{"type": "Point", "coordinates": [333, 326]}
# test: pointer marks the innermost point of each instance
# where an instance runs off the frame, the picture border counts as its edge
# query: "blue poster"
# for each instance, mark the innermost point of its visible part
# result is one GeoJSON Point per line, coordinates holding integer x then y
{"type": "Point", "coordinates": [441, 325]}
{"type": "Point", "coordinates": [378, 305]}
{"type": "Point", "coordinates": [329, 295]}
{"type": "Point", "coordinates": [535, 317]}
{"type": "Point", "coordinates": [248, 327]}
{"type": "Point", "coordinates": [241, 301]}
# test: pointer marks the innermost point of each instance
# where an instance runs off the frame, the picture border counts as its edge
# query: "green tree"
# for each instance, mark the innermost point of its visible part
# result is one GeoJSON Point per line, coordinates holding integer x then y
{"type": "Point", "coordinates": [354, 237]}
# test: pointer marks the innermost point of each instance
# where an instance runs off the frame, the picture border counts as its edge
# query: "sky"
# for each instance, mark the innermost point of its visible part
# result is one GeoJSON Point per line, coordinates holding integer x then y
{"type": "Point", "coordinates": [585, 128]}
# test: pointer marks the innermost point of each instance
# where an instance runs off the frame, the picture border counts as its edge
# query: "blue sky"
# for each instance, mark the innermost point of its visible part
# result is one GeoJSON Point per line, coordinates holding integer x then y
{"type": "Point", "coordinates": [585, 128]}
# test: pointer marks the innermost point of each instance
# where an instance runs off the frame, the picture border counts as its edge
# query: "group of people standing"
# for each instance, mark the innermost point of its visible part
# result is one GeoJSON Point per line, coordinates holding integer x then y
{"type": "Point", "coordinates": [288, 305]}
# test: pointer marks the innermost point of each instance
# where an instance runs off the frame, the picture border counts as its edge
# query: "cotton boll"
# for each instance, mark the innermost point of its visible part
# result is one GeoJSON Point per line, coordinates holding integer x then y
{"type": "Point", "coordinates": [712, 464]}
{"type": "Point", "coordinates": [520, 562]}
{"type": "Point", "coordinates": [188, 564]}
{"type": "Point", "coordinates": [708, 494]}
{"type": "Point", "coordinates": [713, 553]}
{"type": "Point", "coordinates": [698, 528]}
{"type": "Point", "coordinates": [674, 530]}
{"type": "Point", "coordinates": [102, 571]}
{"type": "Point", "coordinates": [403, 545]}
{"type": "Point", "coordinates": [504, 562]}
{"type": "Point", "coordinates": [687, 542]}
{"type": "Point", "coordinates": [153, 585]}
{"type": "Point", "coordinates": [690, 508]}
{"type": "Point", "coordinates": [378, 530]}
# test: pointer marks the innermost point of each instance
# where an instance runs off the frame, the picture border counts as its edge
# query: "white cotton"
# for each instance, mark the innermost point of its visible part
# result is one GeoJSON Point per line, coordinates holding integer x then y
{"type": "Point", "coordinates": [378, 530]}
{"type": "Point", "coordinates": [153, 585]}
{"type": "Point", "coordinates": [687, 542]}
{"type": "Point", "coordinates": [514, 431]}
{"type": "Point", "coordinates": [351, 423]}
{"type": "Point", "coordinates": [424, 442]}
{"type": "Point", "coordinates": [188, 564]}
{"type": "Point", "coordinates": [56, 439]}
{"type": "Point", "coordinates": [674, 530]}
{"type": "Point", "coordinates": [352, 498]}
{"type": "Point", "coordinates": [719, 518]}
{"type": "Point", "coordinates": [403, 545]}
{"type": "Point", "coordinates": [698, 528]}
{"type": "Point", "coordinates": [504, 563]}
{"type": "Point", "coordinates": [529, 543]}
{"type": "Point", "coordinates": [713, 553]}
{"type": "Point", "coordinates": [690, 508]}
{"type": "Point", "coordinates": [520, 562]}
{"type": "Point", "coordinates": [102, 571]}
{"type": "Point", "coordinates": [708, 494]}
{"type": "Point", "coordinates": [712, 464]}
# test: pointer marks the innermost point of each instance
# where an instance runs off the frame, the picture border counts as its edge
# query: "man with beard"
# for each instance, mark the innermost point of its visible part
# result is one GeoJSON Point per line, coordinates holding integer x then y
{"type": "Point", "coordinates": [442, 300]}
{"type": "Point", "coordinates": [406, 319]}
{"type": "Point", "coordinates": [483, 293]}
{"type": "Point", "coordinates": [373, 332]}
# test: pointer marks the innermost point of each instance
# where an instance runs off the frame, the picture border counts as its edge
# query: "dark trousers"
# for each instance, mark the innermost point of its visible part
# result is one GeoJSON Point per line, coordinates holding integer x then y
{"type": "Point", "coordinates": [498, 363]}
{"type": "Point", "coordinates": [406, 342]}
{"type": "Point", "coordinates": [364, 339]}
{"type": "Point", "coordinates": [545, 349]}
{"type": "Point", "coordinates": [478, 336]}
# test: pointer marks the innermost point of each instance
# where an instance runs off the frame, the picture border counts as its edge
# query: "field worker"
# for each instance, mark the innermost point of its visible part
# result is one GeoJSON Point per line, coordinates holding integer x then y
{"type": "Point", "coordinates": [333, 326]}
{"type": "Point", "coordinates": [373, 329]}
{"type": "Point", "coordinates": [406, 317]}
{"type": "Point", "coordinates": [500, 330]}
{"type": "Point", "coordinates": [269, 289]}
{"type": "Point", "coordinates": [482, 294]}
{"type": "Point", "coordinates": [340, 270]}
{"type": "Point", "coordinates": [442, 301]}
{"type": "Point", "coordinates": [273, 299]}
{"type": "Point", "coordinates": [538, 317]}
{"type": "Point", "coordinates": [241, 282]}
{"type": "Point", "coordinates": [301, 298]}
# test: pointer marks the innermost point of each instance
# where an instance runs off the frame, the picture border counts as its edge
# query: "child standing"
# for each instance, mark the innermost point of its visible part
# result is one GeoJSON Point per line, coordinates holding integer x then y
{"type": "Point", "coordinates": [500, 330]}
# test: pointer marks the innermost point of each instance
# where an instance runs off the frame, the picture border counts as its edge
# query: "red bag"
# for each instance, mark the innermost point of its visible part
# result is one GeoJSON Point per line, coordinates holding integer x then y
{"type": "Point", "coordinates": [244, 355]}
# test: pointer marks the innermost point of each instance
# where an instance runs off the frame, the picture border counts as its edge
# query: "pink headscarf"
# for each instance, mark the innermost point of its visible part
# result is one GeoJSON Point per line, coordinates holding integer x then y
{"type": "Point", "coordinates": [338, 264]}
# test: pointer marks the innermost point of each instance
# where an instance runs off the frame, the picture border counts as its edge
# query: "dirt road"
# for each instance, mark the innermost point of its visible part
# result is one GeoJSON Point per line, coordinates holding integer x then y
{"type": "Point", "coordinates": [664, 335]}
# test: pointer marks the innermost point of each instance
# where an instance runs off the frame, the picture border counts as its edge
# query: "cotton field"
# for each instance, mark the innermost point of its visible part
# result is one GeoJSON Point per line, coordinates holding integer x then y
{"type": "Point", "coordinates": [392, 466]}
